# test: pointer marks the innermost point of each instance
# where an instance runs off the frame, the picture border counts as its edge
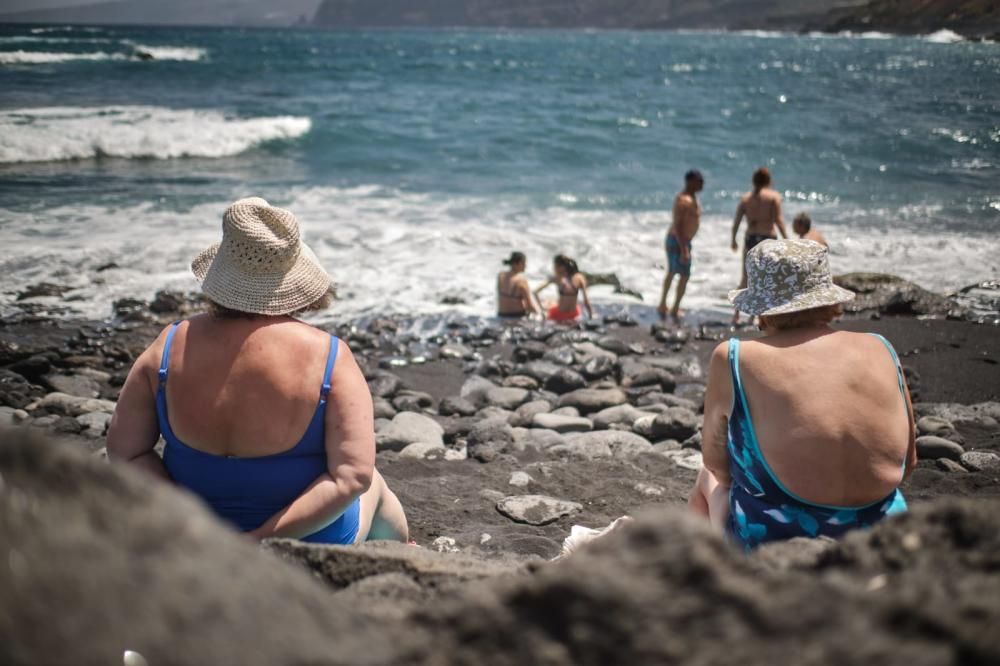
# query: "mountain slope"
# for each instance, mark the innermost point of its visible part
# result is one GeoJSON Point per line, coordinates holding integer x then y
{"type": "Point", "coordinates": [973, 18]}
{"type": "Point", "coordinates": [175, 12]}
{"type": "Point", "coordinates": [640, 14]}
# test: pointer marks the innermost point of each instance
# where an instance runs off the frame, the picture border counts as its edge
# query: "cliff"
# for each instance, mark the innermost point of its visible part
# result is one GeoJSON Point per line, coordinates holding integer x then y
{"type": "Point", "coordinates": [971, 18]}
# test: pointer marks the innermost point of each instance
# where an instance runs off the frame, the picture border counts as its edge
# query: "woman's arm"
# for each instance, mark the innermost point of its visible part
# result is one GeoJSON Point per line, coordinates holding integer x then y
{"type": "Point", "coordinates": [544, 285]}
{"type": "Point", "coordinates": [582, 284]}
{"type": "Point", "coordinates": [911, 452]}
{"type": "Point", "coordinates": [350, 452]}
{"type": "Point", "coordinates": [740, 212]}
{"type": "Point", "coordinates": [718, 407]}
{"type": "Point", "coordinates": [134, 429]}
{"type": "Point", "coordinates": [527, 302]}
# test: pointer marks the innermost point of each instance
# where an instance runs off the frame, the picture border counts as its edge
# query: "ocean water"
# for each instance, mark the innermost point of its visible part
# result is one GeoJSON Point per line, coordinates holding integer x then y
{"type": "Point", "coordinates": [416, 161]}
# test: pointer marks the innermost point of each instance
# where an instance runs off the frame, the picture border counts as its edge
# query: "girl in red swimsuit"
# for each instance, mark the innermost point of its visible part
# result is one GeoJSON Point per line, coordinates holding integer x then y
{"type": "Point", "coordinates": [570, 282]}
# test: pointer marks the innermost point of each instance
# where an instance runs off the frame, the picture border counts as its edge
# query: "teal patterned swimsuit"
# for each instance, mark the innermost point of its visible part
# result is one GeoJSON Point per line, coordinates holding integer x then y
{"type": "Point", "coordinates": [761, 508]}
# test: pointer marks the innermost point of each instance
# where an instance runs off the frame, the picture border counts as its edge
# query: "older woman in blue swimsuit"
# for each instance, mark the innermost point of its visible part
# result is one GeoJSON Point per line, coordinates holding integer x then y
{"type": "Point", "coordinates": [267, 419]}
{"type": "Point", "coordinates": [808, 431]}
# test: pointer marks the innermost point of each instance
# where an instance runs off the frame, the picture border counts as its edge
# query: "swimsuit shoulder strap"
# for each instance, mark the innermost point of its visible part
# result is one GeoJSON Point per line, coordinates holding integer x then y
{"type": "Point", "coordinates": [739, 398]}
{"type": "Point", "coordinates": [165, 356]}
{"type": "Point", "coordinates": [331, 361]}
{"type": "Point", "coordinates": [895, 359]}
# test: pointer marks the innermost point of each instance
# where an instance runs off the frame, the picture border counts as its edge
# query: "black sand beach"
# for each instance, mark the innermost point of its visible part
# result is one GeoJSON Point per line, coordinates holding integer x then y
{"type": "Point", "coordinates": [498, 440]}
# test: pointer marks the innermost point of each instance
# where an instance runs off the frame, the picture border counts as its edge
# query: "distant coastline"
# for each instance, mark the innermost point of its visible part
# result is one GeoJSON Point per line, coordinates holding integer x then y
{"type": "Point", "coordinates": [971, 19]}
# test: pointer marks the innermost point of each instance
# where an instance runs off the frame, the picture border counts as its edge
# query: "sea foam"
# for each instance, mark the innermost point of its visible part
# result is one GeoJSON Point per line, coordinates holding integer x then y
{"type": "Point", "coordinates": [21, 57]}
{"type": "Point", "coordinates": [944, 37]}
{"type": "Point", "coordinates": [397, 252]}
{"type": "Point", "coordinates": [67, 133]}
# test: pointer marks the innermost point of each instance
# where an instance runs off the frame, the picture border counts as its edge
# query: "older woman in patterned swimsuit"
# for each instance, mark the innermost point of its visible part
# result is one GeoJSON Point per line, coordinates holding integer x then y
{"type": "Point", "coordinates": [808, 431]}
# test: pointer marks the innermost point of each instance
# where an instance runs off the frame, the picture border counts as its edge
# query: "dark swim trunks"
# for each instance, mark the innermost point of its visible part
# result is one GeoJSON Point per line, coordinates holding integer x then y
{"type": "Point", "coordinates": [674, 260]}
{"type": "Point", "coordinates": [753, 240]}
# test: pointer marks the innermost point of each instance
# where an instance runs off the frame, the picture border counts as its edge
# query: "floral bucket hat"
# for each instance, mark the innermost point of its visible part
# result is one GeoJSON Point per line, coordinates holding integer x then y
{"type": "Point", "coordinates": [787, 276]}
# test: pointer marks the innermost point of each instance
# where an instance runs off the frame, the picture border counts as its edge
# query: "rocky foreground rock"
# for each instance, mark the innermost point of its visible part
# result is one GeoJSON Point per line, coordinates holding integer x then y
{"type": "Point", "coordinates": [98, 560]}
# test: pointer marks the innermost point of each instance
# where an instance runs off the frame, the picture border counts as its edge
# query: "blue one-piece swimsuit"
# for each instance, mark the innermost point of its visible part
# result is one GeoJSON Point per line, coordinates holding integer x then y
{"type": "Point", "coordinates": [248, 491]}
{"type": "Point", "coordinates": [761, 508]}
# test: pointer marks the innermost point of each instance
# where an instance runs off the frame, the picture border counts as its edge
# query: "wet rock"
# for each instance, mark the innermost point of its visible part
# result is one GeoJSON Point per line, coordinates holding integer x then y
{"type": "Point", "coordinates": [521, 381]}
{"type": "Point", "coordinates": [170, 302]}
{"type": "Point", "coordinates": [603, 444]}
{"type": "Point", "coordinates": [506, 397]}
{"type": "Point", "coordinates": [454, 350]}
{"type": "Point", "coordinates": [412, 401]}
{"type": "Point", "coordinates": [589, 400]}
{"type": "Point", "coordinates": [525, 413]}
{"type": "Point", "coordinates": [408, 428]}
{"type": "Point", "coordinates": [77, 385]}
{"type": "Point", "coordinates": [562, 424]}
{"type": "Point", "coordinates": [33, 368]}
{"type": "Point", "coordinates": [540, 370]}
{"type": "Point", "coordinates": [131, 310]}
{"type": "Point", "coordinates": [564, 381]}
{"type": "Point", "coordinates": [383, 408]}
{"type": "Point", "coordinates": [930, 447]}
{"type": "Point", "coordinates": [939, 427]}
{"type": "Point", "coordinates": [456, 406]}
{"type": "Point", "coordinates": [675, 423]}
{"type": "Point", "coordinates": [560, 356]}
{"type": "Point", "coordinates": [423, 450]}
{"type": "Point", "coordinates": [529, 351]}
{"type": "Point", "coordinates": [598, 367]}
{"type": "Point", "coordinates": [67, 425]}
{"type": "Point", "coordinates": [620, 415]}
{"type": "Point", "coordinates": [43, 290]}
{"type": "Point", "coordinates": [384, 384]}
{"type": "Point", "coordinates": [536, 509]}
{"type": "Point", "coordinates": [888, 294]}
{"type": "Point", "coordinates": [614, 345]}
{"type": "Point", "coordinates": [981, 461]}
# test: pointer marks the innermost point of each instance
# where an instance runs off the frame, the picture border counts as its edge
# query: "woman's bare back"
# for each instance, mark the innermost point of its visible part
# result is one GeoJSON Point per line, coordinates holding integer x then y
{"type": "Point", "coordinates": [828, 414]}
{"type": "Point", "coordinates": [244, 387]}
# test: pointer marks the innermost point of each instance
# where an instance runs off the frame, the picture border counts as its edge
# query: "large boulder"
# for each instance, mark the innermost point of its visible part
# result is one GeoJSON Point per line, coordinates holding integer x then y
{"type": "Point", "coordinates": [893, 295]}
{"type": "Point", "coordinates": [407, 428]}
{"type": "Point", "coordinates": [99, 559]}
{"type": "Point", "coordinates": [589, 400]}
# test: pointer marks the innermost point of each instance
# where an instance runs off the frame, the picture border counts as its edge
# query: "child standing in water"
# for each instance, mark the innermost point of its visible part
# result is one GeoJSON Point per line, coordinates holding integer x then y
{"type": "Point", "coordinates": [570, 283]}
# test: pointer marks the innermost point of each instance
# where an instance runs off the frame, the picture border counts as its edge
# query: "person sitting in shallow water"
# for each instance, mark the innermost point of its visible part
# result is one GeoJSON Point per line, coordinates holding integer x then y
{"type": "Point", "coordinates": [808, 431]}
{"type": "Point", "coordinates": [802, 225]}
{"type": "Point", "coordinates": [571, 283]}
{"type": "Point", "coordinates": [514, 298]}
{"type": "Point", "coordinates": [266, 418]}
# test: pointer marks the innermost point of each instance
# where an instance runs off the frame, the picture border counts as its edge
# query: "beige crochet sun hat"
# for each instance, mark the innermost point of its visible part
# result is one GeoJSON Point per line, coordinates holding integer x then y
{"type": "Point", "coordinates": [787, 276]}
{"type": "Point", "coordinates": [261, 266]}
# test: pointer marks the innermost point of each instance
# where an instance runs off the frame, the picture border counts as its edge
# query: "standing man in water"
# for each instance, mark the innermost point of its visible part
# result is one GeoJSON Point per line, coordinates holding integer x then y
{"type": "Point", "coordinates": [683, 227]}
{"type": "Point", "coordinates": [762, 208]}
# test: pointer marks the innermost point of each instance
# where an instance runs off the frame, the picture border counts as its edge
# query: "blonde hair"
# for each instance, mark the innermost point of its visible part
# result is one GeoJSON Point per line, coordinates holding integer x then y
{"type": "Point", "coordinates": [810, 318]}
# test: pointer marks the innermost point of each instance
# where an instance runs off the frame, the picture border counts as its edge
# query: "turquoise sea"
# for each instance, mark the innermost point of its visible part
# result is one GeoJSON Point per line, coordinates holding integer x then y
{"type": "Point", "coordinates": [417, 160]}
